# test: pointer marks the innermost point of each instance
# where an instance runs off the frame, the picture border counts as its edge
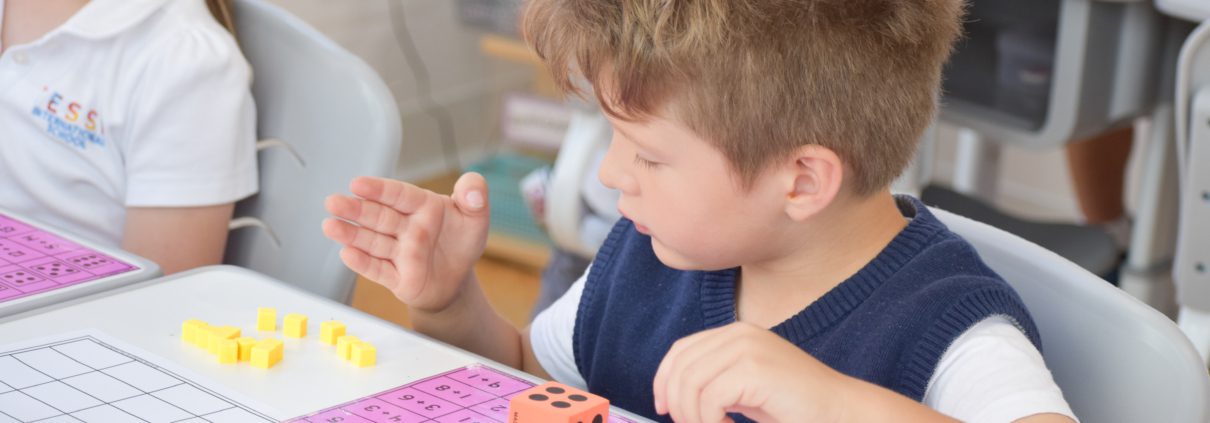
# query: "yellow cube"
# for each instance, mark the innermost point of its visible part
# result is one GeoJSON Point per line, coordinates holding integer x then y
{"type": "Point", "coordinates": [266, 318]}
{"type": "Point", "coordinates": [189, 330]}
{"type": "Point", "coordinates": [201, 336]}
{"type": "Point", "coordinates": [295, 325]}
{"type": "Point", "coordinates": [219, 334]}
{"type": "Point", "coordinates": [228, 351]}
{"type": "Point", "coordinates": [363, 354]}
{"type": "Point", "coordinates": [245, 348]}
{"type": "Point", "coordinates": [330, 330]}
{"type": "Point", "coordinates": [266, 353]}
{"type": "Point", "coordinates": [208, 339]}
{"type": "Point", "coordinates": [343, 345]}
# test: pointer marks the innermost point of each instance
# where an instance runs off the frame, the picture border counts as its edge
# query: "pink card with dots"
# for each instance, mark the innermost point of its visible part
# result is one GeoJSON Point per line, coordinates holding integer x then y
{"type": "Point", "coordinates": [473, 394]}
{"type": "Point", "coordinates": [38, 266]}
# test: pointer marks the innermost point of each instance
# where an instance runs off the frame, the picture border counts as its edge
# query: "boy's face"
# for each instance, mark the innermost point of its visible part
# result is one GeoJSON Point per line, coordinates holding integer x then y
{"type": "Point", "coordinates": [682, 192]}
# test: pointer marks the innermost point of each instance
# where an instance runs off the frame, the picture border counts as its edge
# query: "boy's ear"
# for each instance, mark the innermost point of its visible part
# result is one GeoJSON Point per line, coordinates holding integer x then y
{"type": "Point", "coordinates": [815, 179]}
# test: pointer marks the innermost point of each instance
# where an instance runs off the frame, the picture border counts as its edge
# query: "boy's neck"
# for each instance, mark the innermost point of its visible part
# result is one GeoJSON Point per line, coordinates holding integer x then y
{"type": "Point", "coordinates": [825, 252]}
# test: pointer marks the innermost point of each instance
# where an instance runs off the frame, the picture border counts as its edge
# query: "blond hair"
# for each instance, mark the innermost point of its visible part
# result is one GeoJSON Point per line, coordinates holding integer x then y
{"type": "Point", "coordinates": [221, 10]}
{"type": "Point", "coordinates": [761, 78]}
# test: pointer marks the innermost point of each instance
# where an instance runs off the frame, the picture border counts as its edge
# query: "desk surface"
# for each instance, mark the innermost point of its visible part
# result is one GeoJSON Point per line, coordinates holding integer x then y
{"type": "Point", "coordinates": [309, 378]}
{"type": "Point", "coordinates": [40, 265]}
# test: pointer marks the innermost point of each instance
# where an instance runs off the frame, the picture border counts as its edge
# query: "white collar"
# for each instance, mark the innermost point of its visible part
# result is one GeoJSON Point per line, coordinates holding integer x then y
{"type": "Point", "coordinates": [105, 18]}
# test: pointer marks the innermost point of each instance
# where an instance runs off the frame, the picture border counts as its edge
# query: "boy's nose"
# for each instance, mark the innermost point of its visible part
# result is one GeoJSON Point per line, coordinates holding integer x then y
{"type": "Point", "coordinates": [611, 173]}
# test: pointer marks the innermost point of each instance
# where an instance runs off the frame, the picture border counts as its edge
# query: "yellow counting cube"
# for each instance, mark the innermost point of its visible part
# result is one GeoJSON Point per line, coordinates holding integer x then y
{"type": "Point", "coordinates": [330, 330]}
{"type": "Point", "coordinates": [221, 333]}
{"type": "Point", "coordinates": [343, 345]}
{"type": "Point", "coordinates": [245, 348]}
{"type": "Point", "coordinates": [295, 325]}
{"type": "Point", "coordinates": [189, 330]}
{"type": "Point", "coordinates": [210, 344]}
{"type": "Point", "coordinates": [266, 353]}
{"type": "Point", "coordinates": [266, 319]}
{"type": "Point", "coordinates": [201, 335]}
{"type": "Point", "coordinates": [228, 351]}
{"type": "Point", "coordinates": [363, 354]}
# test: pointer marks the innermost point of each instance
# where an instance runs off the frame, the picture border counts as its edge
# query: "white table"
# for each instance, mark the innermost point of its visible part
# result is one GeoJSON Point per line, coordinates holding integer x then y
{"type": "Point", "coordinates": [311, 377]}
{"type": "Point", "coordinates": [41, 265]}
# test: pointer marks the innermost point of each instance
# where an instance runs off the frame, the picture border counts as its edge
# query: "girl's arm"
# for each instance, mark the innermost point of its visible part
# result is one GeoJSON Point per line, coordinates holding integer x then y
{"type": "Point", "coordinates": [178, 238]}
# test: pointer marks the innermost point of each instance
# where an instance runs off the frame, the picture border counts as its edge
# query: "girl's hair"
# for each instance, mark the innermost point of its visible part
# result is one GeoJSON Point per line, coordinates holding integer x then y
{"type": "Point", "coordinates": [221, 9]}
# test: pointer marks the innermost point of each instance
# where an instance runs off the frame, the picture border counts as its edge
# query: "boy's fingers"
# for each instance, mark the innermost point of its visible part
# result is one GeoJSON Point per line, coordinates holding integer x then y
{"type": "Point", "coordinates": [339, 231]}
{"type": "Point", "coordinates": [716, 396]}
{"type": "Point", "coordinates": [367, 187]}
{"type": "Point", "coordinates": [668, 366]}
{"type": "Point", "coordinates": [681, 360]}
{"type": "Point", "coordinates": [367, 213]}
{"type": "Point", "coordinates": [375, 244]}
{"type": "Point", "coordinates": [377, 270]}
{"type": "Point", "coordinates": [470, 194]}
{"type": "Point", "coordinates": [342, 206]}
{"type": "Point", "coordinates": [699, 362]}
{"type": "Point", "coordinates": [696, 367]}
{"type": "Point", "coordinates": [401, 196]}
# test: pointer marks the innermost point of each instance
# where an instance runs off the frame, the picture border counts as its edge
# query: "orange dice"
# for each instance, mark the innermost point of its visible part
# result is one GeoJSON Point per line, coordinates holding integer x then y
{"type": "Point", "coordinates": [556, 402]}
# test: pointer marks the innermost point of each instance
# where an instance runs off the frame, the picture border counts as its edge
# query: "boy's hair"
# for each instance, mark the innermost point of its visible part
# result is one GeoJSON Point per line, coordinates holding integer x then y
{"type": "Point", "coordinates": [760, 78]}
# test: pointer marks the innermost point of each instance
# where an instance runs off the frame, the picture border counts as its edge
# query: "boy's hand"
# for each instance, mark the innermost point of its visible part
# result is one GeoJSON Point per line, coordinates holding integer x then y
{"type": "Point", "coordinates": [743, 368]}
{"type": "Point", "coordinates": [419, 244]}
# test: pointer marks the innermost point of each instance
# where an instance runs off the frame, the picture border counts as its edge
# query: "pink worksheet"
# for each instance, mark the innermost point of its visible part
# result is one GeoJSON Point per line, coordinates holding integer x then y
{"type": "Point", "coordinates": [473, 394]}
{"type": "Point", "coordinates": [34, 261]}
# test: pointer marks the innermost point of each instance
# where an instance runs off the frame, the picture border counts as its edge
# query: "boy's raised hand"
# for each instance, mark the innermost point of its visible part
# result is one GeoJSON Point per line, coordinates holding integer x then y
{"type": "Point", "coordinates": [419, 244]}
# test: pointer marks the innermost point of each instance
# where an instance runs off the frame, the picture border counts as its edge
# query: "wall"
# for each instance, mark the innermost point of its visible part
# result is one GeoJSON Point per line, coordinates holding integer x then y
{"type": "Point", "coordinates": [1033, 184]}
{"type": "Point", "coordinates": [468, 85]}
{"type": "Point", "coordinates": [464, 83]}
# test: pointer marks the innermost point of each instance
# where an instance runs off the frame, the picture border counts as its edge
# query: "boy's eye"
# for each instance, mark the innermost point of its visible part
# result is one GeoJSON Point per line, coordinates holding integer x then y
{"type": "Point", "coordinates": [648, 164]}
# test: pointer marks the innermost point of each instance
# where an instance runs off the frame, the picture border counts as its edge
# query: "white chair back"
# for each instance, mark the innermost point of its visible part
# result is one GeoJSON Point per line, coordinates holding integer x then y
{"type": "Point", "coordinates": [326, 117]}
{"type": "Point", "coordinates": [1116, 359]}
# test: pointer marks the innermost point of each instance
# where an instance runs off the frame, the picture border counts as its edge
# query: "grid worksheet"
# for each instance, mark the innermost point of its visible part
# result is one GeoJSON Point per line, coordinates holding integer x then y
{"type": "Point", "coordinates": [84, 378]}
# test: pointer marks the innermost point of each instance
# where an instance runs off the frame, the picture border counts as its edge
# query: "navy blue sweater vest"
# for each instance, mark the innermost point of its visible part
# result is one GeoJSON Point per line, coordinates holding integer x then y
{"type": "Point", "coordinates": [887, 324]}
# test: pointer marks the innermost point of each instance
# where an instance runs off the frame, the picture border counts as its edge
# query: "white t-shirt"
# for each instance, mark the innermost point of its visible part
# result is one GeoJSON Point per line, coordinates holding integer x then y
{"type": "Point", "coordinates": [991, 373]}
{"type": "Point", "coordinates": [130, 103]}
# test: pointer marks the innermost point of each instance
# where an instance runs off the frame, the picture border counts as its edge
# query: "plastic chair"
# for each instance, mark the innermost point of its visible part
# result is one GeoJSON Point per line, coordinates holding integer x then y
{"type": "Point", "coordinates": [1058, 71]}
{"type": "Point", "coordinates": [324, 117]}
{"type": "Point", "coordinates": [1116, 359]}
{"type": "Point", "coordinates": [1101, 56]}
{"type": "Point", "coordinates": [568, 211]}
{"type": "Point", "coordinates": [1192, 127]}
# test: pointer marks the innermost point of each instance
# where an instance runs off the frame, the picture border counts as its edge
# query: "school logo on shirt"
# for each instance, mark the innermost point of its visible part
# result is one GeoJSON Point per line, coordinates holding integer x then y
{"type": "Point", "coordinates": [69, 121]}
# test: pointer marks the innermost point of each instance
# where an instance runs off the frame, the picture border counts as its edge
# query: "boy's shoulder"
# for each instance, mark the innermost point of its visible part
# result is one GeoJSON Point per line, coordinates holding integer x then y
{"type": "Point", "coordinates": [939, 258]}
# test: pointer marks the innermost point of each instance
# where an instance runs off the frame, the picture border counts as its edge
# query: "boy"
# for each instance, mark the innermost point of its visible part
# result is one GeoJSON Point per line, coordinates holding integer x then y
{"type": "Point", "coordinates": [762, 268]}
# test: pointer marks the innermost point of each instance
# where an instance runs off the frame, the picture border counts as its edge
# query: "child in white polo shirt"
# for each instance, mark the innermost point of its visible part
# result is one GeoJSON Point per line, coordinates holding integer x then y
{"type": "Point", "coordinates": [128, 122]}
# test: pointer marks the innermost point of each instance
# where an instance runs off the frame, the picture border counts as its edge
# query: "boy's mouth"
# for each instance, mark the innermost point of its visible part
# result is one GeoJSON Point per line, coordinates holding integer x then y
{"type": "Point", "coordinates": [637, 226]}
{"type": "Point", "coordinates": [642, 229]}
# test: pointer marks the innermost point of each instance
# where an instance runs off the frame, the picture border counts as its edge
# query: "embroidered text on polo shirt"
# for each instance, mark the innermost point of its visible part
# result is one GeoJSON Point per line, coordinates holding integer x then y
{"type": "Point", "coordinates": [68, 121]}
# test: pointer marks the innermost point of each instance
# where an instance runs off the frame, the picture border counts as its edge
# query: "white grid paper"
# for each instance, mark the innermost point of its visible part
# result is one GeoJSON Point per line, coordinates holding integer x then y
{"type": "Point", "coordinates": [85, 378]}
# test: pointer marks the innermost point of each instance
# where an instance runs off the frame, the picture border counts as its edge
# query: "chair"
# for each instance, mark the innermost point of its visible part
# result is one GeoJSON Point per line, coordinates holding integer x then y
{"type": "Point", "coordinates": [1192, 128]}
{"type": "Point", "coordinates": [324, 117]}
{"type": "Point", "coordinates": [1116, 359]}
{"type": "Point", "coordinates": [1039, 74]}
{"type": "Point", "coordinates": [567, 209]}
